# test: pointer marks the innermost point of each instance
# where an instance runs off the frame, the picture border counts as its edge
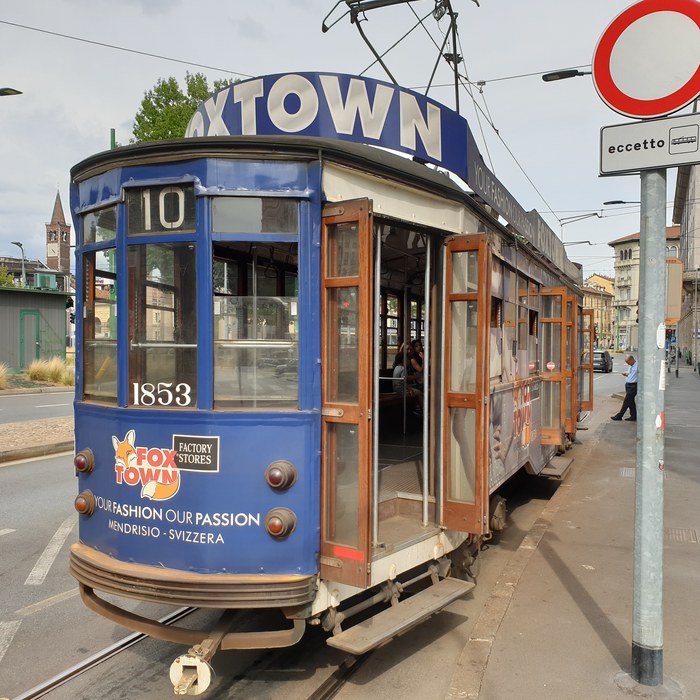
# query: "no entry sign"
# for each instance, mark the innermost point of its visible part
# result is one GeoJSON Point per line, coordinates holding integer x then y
{"type": "Point", "coordinates": [647, 62]}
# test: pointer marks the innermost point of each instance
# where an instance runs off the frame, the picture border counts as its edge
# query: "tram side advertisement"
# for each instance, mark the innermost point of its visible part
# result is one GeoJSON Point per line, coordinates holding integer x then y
{"type": "Point", "coordinates": [165, 490]}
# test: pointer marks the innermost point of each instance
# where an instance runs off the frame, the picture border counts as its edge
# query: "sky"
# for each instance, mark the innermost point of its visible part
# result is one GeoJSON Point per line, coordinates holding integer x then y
{"type": "Point", "coordinates": [83, 67]}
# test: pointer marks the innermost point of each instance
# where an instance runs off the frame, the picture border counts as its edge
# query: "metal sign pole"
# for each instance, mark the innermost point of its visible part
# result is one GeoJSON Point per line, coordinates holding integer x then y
{"type": "Point", "coordinates": [647, 629]}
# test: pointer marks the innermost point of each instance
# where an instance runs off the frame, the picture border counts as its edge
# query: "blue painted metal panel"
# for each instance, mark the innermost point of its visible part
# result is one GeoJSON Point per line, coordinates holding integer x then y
{"type": "Point", "coordinates": [214, 523]}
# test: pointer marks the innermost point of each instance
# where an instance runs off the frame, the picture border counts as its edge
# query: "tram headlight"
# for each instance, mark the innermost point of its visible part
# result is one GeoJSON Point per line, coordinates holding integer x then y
{"type": "Point", "coordinates": [280, 522]}
{"type": "Point", "coordinates": [280, 474]}
{"type": "Point", "coordinates": [85, 502]}
{"type": "Point", "coordinates": [84, 461]}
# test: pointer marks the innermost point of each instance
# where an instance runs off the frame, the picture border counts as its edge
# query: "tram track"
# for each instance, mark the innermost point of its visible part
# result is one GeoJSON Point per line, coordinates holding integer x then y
{"type": "Point", "coordinates": [95, 660]}
{"type": "Point", "coordinates": [334, 683]}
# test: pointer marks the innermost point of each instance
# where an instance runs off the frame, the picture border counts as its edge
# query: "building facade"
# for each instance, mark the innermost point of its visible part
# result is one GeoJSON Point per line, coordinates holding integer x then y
{"type": "Point", "coordinates": [598, 295]}
{"type": "Point", "coordinates": [35, 312]}
{"type": "Point", "coordinates": [686, 214]}
{"type": "Point", "coordinates": [626, 303]}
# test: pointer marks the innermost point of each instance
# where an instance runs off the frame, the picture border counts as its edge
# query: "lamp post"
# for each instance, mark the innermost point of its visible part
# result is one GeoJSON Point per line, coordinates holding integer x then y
{"type": "Point", "coordinates": [21, 247]}
{"type": "Point", "coordinates": [695, 323]}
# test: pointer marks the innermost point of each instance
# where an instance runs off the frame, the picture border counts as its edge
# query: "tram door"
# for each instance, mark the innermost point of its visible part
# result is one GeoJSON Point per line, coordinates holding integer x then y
{"type": "Point", "coordinates": [585, 370]}
{"type": "Point", "coordinates": [465, 482]}
{"type": "Point", "coordinates": [553, 364]}
{"type": "Point", "coordinates": [346, 391]}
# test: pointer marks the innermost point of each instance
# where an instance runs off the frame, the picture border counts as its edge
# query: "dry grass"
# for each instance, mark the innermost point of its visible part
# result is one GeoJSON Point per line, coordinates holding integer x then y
{"type": "Point", "coordinates": [4, 374]}
{"type": "Point", "coordinates": [53, 371]}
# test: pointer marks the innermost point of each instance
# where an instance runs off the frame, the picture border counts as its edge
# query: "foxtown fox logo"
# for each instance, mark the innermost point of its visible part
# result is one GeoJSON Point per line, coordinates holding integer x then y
{"type": "Point", "coordinates": [153, 467]}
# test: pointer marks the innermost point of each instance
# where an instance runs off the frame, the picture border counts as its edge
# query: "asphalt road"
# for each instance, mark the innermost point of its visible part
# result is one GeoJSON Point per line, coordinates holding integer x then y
{"type": "Point", "coordinates": [16, 408]}
{"type": "Point", "coordinates": [44, 627]}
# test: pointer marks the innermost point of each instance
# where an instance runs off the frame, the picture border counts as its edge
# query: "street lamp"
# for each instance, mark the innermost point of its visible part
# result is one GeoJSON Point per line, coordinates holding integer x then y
{"type": "Point", "coordinates": [564, 74]}
{"type": "Point", "coordinates": [6, 91]}
{"type": "Point", "coordinates": [618, 201]}
{"type": "Point", "coordinates": [21, 247]}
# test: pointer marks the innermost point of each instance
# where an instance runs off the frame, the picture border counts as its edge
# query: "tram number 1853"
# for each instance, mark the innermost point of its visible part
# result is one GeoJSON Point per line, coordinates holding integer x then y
{"type": "Point", "coordinates": [162, 394]}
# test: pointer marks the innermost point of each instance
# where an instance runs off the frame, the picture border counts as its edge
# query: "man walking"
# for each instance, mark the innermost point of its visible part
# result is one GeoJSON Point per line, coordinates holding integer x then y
{"type": "Point", "coordinates": [630, 391]}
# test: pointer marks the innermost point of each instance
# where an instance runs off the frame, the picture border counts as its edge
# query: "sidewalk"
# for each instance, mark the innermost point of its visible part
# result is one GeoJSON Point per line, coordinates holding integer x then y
{"type": "Point", "coordinates": [558, 623]}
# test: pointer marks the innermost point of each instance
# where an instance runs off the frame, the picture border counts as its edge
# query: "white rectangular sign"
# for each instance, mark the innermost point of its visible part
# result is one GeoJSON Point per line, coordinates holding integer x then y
{"type": "Point", "coordinates": [649, 145]}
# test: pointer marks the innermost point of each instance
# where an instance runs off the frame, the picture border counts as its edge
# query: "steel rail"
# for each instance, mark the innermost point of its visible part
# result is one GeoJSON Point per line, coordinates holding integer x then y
{"type": "Point", "coordinates": [334, 683]}
{"type": "Point", "coordinates": [91, 662]}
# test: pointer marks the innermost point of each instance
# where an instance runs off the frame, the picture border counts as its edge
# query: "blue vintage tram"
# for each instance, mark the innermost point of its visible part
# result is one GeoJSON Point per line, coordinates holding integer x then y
{"type": "Point", "coordinates": [244, 297]}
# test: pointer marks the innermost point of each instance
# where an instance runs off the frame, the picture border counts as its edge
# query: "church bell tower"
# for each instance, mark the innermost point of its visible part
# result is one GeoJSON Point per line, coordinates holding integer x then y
{"type": "Point", "coordinates": [58, 239]}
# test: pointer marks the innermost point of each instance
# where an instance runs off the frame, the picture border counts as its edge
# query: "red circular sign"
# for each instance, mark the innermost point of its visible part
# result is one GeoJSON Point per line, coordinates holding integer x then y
{"type": "Point", "coordinates": [655, 22]}
{"type": "Point", "coordinates": [551, 366]}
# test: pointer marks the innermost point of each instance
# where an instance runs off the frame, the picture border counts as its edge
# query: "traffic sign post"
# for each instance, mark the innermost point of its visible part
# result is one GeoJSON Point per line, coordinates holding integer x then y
{"type": "Point", "coordinates": [647, 65]}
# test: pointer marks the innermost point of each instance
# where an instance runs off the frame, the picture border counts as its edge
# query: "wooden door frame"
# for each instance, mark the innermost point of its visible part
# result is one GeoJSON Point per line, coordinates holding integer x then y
{"type": "Point", "coordinates": [588, 313]}
{"type": "Point", "coordinates": [457, 515]}
{"type": "Point", "coordinates": [339, 562]}
{"type": "Point", "coordinates": [554, 436]}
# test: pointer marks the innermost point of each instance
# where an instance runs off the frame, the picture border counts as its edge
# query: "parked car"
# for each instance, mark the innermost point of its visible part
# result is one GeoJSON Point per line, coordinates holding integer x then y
{"type": "Point", "coordinates": [602, 361]}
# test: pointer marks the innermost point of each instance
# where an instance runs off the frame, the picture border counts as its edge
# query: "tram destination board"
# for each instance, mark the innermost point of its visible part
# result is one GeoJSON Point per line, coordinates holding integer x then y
{"type": "Point", "coordinates": [655, 143]}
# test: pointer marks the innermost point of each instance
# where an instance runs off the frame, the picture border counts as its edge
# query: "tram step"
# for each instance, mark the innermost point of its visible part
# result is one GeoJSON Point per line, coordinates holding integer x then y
{"type": "Point", "coordinates": [397, 619]}
{"type": "Point", "coordinates": [557, 467]}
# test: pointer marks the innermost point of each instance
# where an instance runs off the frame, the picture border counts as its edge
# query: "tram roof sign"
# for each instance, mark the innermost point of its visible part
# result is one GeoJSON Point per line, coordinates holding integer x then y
{"type": "Point", "coordinates": [363, 110]}
{"type": "Point", "coordinates": [647, 62]}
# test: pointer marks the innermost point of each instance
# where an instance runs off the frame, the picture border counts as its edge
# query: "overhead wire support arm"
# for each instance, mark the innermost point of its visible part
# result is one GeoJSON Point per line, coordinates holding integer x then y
{"type": "Point", "coordinates": [354, 20]}
{"type": "Point", "coordinates": [441, 55]}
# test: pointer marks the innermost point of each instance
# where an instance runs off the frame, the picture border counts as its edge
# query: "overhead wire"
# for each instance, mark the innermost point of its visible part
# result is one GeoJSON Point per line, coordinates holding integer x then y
{"type": "Point", "coordinates": [123, 48]}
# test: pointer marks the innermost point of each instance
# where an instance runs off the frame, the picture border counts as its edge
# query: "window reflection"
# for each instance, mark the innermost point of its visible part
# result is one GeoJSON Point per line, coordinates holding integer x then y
{"type": "Point", "coordinates": [256, 325]}
{"type": "Point", "coordinates": [100, 327]}
{"type": "Point", "coordinates": [162, 325]}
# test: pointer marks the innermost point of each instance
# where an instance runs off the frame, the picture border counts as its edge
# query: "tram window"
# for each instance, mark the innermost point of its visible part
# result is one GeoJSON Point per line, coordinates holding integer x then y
{"type": "Point", "coordinates": [496, 277]}
{"type": "Point", "coordinates": [509, 285]}
{"type": "Point", "coordinates": [551, 306]}
{"type": "Point", "coordinates": [551, 346]}
{"type": "Point", "coordinates": [534, 362]}
{"type": "Point", "coordinates": [162, 325]}
{"type": "Point", "coordinates": [391, 322]}
{"type": "Point", "coordinates": [343, 259]}
{"type": "Point", "coordinates": [534, 295]}
{"type": "Point", "coordinates": [254, 215]}
{"type": "Point", "coordinates": [523, 364]}
{"type": "Point", "coordinates": [342, 493]}
{"type": "Point", "coordinates": [256, 325]}
{"type": "Point", "coordinates": [496, 339]}
{"type": "Point", "coordinates": [100, 226]}
{"type": "Point", "coordinates": [463, 351]}
{"type": "Point", "coordinates": [100, 327]}
{"type": "Point", "coordinates": [465, 272]}
{"type": "Point", "coordinates": [510, 342]}
{"type": "Point", "coordinates": [462, 455]}
{"type": "Point", "coordinates": [551, 404]}
{"type": "Point", "coordinates": [343, 321]}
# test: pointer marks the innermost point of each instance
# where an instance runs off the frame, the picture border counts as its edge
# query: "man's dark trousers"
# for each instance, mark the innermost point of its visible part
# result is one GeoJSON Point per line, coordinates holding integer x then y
{"type": "Point", "coordinates": [629, 402]}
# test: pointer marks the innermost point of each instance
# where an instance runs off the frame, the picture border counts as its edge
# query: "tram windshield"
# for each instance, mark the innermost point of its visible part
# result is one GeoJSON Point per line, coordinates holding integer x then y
{"type": "Point", "coordinates": [162, 325]}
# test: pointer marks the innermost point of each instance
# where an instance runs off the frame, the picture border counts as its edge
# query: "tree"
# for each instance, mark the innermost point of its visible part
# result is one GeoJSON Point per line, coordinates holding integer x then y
{"type": "Point", "coordinates": [6, 278]}
{"type": "Point", "coordinates": [166, 110]}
